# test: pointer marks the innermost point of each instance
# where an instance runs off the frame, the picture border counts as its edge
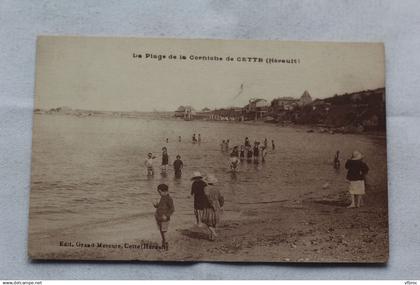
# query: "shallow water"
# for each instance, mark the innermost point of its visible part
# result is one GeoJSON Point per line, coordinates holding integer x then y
{"type": "Point", "coordinates": [90, 170]}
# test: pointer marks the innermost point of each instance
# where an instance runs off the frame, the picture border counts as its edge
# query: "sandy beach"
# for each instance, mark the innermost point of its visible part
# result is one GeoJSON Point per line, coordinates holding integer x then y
{"type": "Point", "coordinates": [93, 201]}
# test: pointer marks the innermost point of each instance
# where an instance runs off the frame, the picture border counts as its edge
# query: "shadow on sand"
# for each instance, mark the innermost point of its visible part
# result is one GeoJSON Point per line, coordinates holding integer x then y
{"type": "Point", "coordinates": [194, 235]}
{"type": "Point", "coordinates": [335, 203]}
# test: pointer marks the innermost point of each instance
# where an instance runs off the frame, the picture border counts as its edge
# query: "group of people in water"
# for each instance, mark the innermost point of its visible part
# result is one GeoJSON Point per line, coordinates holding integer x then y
{"type": "Point", "coordinates": [246, 152]}
{"type": "Point", "coordinates": [177, 164]}
{"type": "Point", "coordinates": [208, 201]}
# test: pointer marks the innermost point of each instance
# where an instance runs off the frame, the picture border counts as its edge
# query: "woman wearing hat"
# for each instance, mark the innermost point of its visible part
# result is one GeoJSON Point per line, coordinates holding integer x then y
{"type": "Point", "coordinates": [211, 215]}
{"type": "Point", "coordinates": [357, 171]}
{"type": "Point", "coordinates": [200, 199]}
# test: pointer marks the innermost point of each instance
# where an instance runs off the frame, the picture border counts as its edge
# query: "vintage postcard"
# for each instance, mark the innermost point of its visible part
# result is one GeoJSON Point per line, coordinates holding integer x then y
{"type": "Point", "coordinates": [208, 150]}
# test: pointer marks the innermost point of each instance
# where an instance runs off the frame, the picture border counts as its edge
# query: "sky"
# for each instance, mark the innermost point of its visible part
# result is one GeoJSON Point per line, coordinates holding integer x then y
{"type": "Point", "coordinates": [95, 73]}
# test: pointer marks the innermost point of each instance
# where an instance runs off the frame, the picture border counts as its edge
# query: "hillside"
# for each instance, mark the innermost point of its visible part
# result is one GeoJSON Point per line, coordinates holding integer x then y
{"type": "Point", "coordinates": [361, 111]}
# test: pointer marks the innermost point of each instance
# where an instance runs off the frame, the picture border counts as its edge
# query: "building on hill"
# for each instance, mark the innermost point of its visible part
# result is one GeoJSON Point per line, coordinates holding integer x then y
{"type": "Point", "coordinates": [186, 112]}
{"type": "Point", "coordinates": [204, 114]}
{"type": "Point", "coordinates": [290, 103]}
{"type": "Point", "coordinates": [228, 114]}
{"type": "Point", "coordinates": [305, 99]}
{"type": "Point", "coordinates": [256, 109]}
{"type": "Point", "coordinates": [284, 103]}
{"type": "Point", "coordinates": [180, 112]}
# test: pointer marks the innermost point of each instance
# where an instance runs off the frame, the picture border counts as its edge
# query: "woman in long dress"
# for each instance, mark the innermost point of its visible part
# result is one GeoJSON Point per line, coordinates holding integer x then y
{"type": "Point", "coordinates": [357, 170]}
{"type": "Point", "coordinates": [211, 214]}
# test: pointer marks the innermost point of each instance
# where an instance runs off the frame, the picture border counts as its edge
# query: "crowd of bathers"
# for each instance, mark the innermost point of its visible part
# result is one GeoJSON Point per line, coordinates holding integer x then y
{"type": "Point", "coordinates": [246, 152]}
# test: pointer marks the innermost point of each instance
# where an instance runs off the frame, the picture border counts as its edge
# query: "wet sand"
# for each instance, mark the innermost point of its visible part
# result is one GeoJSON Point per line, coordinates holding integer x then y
{"type": "Point", "coordinates": [311, 230]}
{"type": "Point", "coordinates": [276, 212]}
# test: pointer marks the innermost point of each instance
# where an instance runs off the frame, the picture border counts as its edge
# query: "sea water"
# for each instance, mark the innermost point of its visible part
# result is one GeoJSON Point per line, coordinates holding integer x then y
{"type": "Point", "coordinates": [89, 171]}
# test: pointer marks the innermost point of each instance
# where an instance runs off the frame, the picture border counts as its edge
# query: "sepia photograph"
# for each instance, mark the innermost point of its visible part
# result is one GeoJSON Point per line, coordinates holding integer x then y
{"type": "Point", "coordinates": [158, 149]}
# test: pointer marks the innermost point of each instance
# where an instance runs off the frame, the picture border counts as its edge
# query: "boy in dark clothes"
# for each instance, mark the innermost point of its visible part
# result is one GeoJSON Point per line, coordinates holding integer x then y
{"type": "Point", "coordinates": [164, 210]}
{"type": "Point", "coordinates": [178, 165]}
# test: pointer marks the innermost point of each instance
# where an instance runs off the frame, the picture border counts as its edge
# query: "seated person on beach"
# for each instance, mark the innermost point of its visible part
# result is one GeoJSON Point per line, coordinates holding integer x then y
{"type": "Point", "coordinates": [165, 159]}
{"type": "Point", "coordinates": [148, 162]}
{"type": "Point", "coordinates": [178, 165]}
{"type": "Point", "coordinates": [222, 145]}
{"type": "Point", "coordinates": [164, 209]}
{"type": "Point", "coordinates": [194, 139]}
{"type": "Point", "coordinates": [233, 162]}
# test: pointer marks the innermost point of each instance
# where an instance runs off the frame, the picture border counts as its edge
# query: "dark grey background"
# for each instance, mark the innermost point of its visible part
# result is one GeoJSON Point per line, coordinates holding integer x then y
{"type": "Point", "coordinates": [397, 23]}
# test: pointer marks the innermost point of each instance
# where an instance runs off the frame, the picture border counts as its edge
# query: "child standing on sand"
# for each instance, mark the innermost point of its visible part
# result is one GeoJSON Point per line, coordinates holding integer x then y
{"type": "Point", "coordinates": [148, 162]}
{"type": "Point", "coordinates": [164, 209]}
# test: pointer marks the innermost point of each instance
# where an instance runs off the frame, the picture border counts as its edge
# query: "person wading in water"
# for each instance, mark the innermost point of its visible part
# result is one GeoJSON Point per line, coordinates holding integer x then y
{"type": "Point", "coordinates": [165, 160]}
{"type": "Point", "coordinates": [178, 165]}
